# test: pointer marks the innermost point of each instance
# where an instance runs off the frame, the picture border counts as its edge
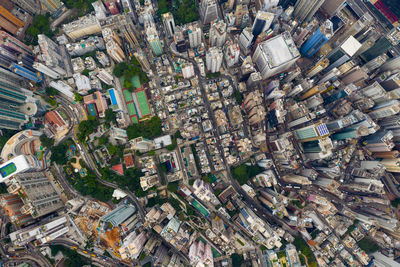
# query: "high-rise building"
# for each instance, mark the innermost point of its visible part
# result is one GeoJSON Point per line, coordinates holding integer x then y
{"type": "Point", "coordinates": [52, 55]}
{"type": "Point", "coordinates": [115, 217]}
{"type": "Point", "coordinates": [246, 39]}
{"type": "Point", "coordinates": [304, 10]}
{"type": "Point", "coordinates": [86, 25]}
{"type": "Point", "coordinates": [320, 66]}
{"type": "Point", "coordinates": [52, 5]}
{"type": "Point", "coordinates": [142, 59]}
{"type": "Point", "coordinates": [194, 34]}
{"type": "Point", "coordinates": [330, 7]}
{"type": "Point", "coordinates": [123, 24]}
{"type": "Point", "coordinates": [154, 40]}
{"type": "Point", "coordinates": [16, 165]}
{"type": "Point", "coordinates": [275, 55]}
{"type": "Point", "coordinates": [385, 109]}
{"type": "Point", "coordinates": [40, 197]}
{"type": "Point", "coordinates": [180, 42]}
{"type": "Point", "coordinates": [9, 22]}
{"type": "Point", "coordinates": [99, 9]}
{"type": "Point", "coordinates": [214, 59]}
{"type": "Point", "coordinates": [31, 6]}
{"type": "Point", "coordinates": [380, 47]}
{"type": "Point", "coordinates": [208, 11]}
{"type": "Point", "coordinates": [217, 33]}
{"type": "Point", "coordinates": [318, 39]}
{"type": "Point", "coordinates": [14, 102]}
{"type": "Point", "coordinates": [266, 4]}
{"type": "Point", "coordinates": [112, 6]}
{"type": "Point", "coordinates": [342, 53]}
{"type": "Point", "coordinates": [391, 65]}
{"type": "Point", "coordinates": [232, 54]}
{"type": "Point", "coordinates": [113, 45]}
{"type": "Point", "coordinates": [169, 23]}
{"type": "Point", "coordinates": [187, 70]}
{"type": "Point", "coordinates": [41, 234]}
{"type": "Point", "coordinates": [312, 132]}
{"type": "Point", "coordinates": [262, 22]}
{"type": "Point", "coordinates": [201, 253]}
{"type": "Point", "coordinates": [132, 245]}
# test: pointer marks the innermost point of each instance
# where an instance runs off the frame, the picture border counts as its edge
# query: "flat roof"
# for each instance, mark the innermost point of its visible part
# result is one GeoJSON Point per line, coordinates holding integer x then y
{"type": "Point", "coordinates": [277, 50]}
{"type": "Point", "coordinates": [13, 166]}
{"type": "Point", "coordinates": [351, 46]}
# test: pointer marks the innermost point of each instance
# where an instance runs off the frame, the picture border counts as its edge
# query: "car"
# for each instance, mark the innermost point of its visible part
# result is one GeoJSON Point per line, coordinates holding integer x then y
{"type": "Point", "coordinates": [74, 247]}
{"type": "Point", "coordinates": [93, 255]}
{"type": "Point", "coordinates": [84, 251]}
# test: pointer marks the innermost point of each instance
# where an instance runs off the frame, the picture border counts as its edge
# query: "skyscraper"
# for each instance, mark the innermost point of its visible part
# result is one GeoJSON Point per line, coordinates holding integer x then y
{"type": "Point", "coordinates": [169, 23]}
{"type": "Point", "coordinates": [194, 34]}
{"type": "Point", "coordinates": [40, 197]}
{"type": "Point", "coordinates": [142, 59]}
{"type": "Point", "coordinates": [154, 40]}
{"type": "Point", "coordinates": [113, 45]}
{"type": "Point", "coordinates": [262, 22]}
{"type": "Point", "coordinates": [275, 55]}
{"type": "Point", "coordinates": [217, 33]}
{"type": "Point", "coordinates": [318, 39]}
{"type": "Point", "coordinates": [208, 11]}
{"type": "Point", "coordinates": [312, 132]}
{"type": "Point", "coordinates": [52, 55]}
{"type": "Point", "coordinates": [304, 10]}
{"type": "Point", "coordinates": [112, 6]}
{"type": "Point", "coordinates": [214, 59]}
{"type": "Point", "coordinates": [330, 7]}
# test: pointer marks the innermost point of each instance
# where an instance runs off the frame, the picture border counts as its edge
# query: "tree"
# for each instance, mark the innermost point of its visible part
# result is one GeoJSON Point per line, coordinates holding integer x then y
{"type": "Point", "coordinates": [50, 91]}
{"type": "Point", "coordinates": [237, 260]}
{"type": "Point", "coordinates": [110, 115]}
{"type": "Point", "coordinates": [238, 96]}
{"type": "Point", "coordinates": [147, 129]}
{"type": "Point", "coordinates": [103, 140]}
{"type": "Point", "coordinates": [85, 72]}
{"type": "Point", "coordinates": [112, 149]}
{"type": "Point", "coordinates": [243, 173]}
{"type": "Point", "coordinates": [78, 97]}
{"type": "Point", "coordinates": [173, 187]}
{"type": "Point", "coordinates": [6, 134]}
{"type": "Point", "coordinates": [58, 152]}
{"type": "Point", "coordinates": [172, 146]}
{"type": "Point", "coordinates": [87, 127]}
{"type": "Point", "coordinates": [40, 25]}
{"type": "Point", "coordinates": [45, 141]}
{"type": "Point", "coordinates": [119, 69]}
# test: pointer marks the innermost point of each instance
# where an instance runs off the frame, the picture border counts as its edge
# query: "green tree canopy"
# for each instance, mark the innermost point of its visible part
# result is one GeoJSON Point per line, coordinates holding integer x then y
{"type": "Point", "coordinates": [110, 115]}
{"type": "Point", "coordinates": [45, 141]}
{"type": "Point", "coordinates": [148, 129]}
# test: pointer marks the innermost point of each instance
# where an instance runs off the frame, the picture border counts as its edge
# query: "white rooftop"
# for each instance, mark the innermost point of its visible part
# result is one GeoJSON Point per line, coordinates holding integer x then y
{"type": "Point", "coordinates": [279, 50]}
{"type": "Point", "coordinates": [15, 165]}
{"type": "Point", "coordinates": [351, 46]}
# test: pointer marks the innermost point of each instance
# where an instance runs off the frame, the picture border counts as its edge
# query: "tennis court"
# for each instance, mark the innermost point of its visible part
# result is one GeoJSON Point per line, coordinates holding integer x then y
{"type": "Point", "coordinates": [132, 109]}
{"type": "Point", "coordinates": [8, 169]}
{"type": "Point", "coordinates": [142, 99]}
